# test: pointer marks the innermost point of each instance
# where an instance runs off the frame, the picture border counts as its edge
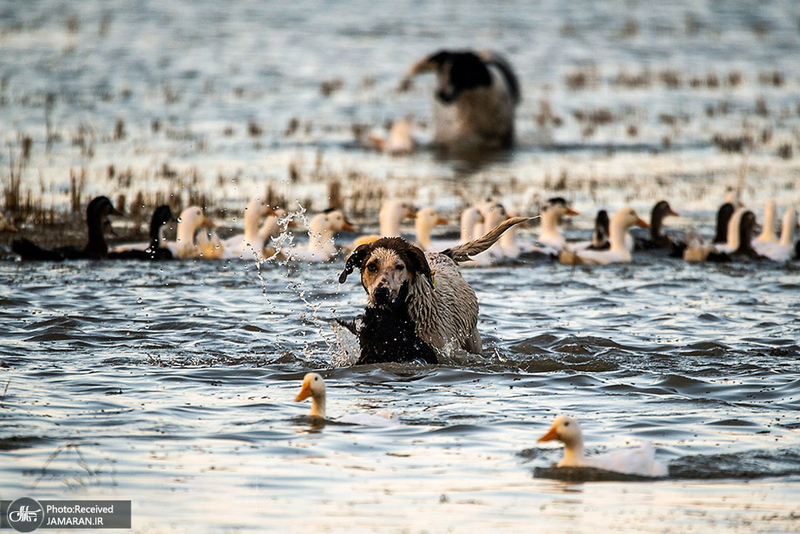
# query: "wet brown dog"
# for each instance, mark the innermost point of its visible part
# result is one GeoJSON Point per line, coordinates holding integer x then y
{"type": "Point", "coordinates": [417, 302]}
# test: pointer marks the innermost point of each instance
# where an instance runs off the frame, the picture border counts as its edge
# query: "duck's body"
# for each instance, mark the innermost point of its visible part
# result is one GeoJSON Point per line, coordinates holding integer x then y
{"type": "Point", "coordinates": [475, 98]}
{"type": "Point", "coordinates": [314, 387]}
{"type": "Point", "coordinates": [97, 222]}
{"type": "Point", "coordinates": [636, 461]}
{"type": "Point", "coordinates": [785, 249]}
{"type": "Point", "coordinates": [618, 251]}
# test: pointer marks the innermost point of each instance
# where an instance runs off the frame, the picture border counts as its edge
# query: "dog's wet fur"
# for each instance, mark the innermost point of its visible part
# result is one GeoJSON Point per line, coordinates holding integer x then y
{"type": "Point", "coordinates": [386, 331]}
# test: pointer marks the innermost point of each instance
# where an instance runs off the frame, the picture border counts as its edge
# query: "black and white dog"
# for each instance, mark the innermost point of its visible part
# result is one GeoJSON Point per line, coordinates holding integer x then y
{"type": "Point", "coordinates": [475, 98]}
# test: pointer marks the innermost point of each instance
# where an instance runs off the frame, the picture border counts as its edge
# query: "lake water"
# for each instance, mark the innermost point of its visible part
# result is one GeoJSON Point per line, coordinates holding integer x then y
{"type": "Point", "coordinates": [172, 385]}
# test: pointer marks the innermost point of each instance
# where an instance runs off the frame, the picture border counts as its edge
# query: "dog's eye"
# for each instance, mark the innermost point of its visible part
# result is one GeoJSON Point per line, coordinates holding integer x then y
{"type": "Point", "coordinates": [399, 266]}
{"type": "Point", "coordinates": [372, 268]}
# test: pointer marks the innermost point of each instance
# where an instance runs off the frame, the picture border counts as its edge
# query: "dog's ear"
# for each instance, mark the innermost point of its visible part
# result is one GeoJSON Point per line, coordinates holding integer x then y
{"type": "Point", "coordinates": [354, 260]}
{"type": "Point", "coordinates": [418, 263]}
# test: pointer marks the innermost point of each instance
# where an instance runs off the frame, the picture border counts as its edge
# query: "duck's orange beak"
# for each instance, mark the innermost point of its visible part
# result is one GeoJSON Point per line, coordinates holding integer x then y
{"type": "Point", "coordinates": [347, 226]}
{"type": "Point", "coordinates": [550, 436]}
{"type": "Point", "coordinates": [571, 211]}
{"type": "Point", "coordinates": [411, 214]}
{"type": "Point", "coordinates": [305, 392]}
{"type": "Point", "coordinates": [270, 211]}
{"type": "Point", "coordinates": [208, 222]}
{"type": "Point", "coordinates": [641, 222]}
{"type": "Point", "coordinates": [442, 220]}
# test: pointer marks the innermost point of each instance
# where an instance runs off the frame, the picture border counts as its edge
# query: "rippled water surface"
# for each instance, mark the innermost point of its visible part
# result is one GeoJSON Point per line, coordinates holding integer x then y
{"type": "Point", "coordinates": [172, 385]}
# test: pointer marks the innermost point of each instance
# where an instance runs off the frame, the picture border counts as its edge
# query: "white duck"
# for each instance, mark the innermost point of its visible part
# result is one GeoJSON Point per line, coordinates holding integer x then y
{"type": "Point", "coordinates": [618, 252]}
{"type": "Point", "coordinates": [392, 214]}
{"type": "Point", "coordinates": [321, 230]}
{"type": "Point", "coordinates": [424, 222]}
{"type": "Point", "coordinates": [550, 239]}
{"type": "Point", "coordinates": [636, 461]}
{"type": "Point", "coordinates": [248, 246]}
{"type": "Point", "coordinates": [784, 250]}
{"type": "Point", "coordinates": [189, 221]}
{"type": "Point", "coordinates": [314, 387]}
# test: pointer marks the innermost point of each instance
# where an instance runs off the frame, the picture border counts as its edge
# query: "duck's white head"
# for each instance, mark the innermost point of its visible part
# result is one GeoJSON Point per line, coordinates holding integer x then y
{"type": "Point", "coordinates": [566, 430]}
{"type": "Point", "coordinates": [257, 208]}
{"type": "Point", "coordinates": [314, 387]}
{"type": "Point", "coordinates": [329, 222]}
{"type": "Point", "coordinates": [392, 214]}
{"type": "Point", "coordinates": [189, 221]}
{"type": "Point", "coordinates": [337, 222]}
{"type": "Point", "coordinates": [426, 219]}
{"type": "Point", "coordinates": [626, 217]}
{"type": "Point", "coordinates": [551, 214]}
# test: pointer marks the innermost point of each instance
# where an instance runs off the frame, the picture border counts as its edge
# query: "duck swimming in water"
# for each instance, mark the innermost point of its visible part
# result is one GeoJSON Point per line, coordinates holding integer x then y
{"type": "Point", "coordinates": [639, 461]}
{"type": "Point", "coordinates": [97, 213]}
{"type": "Point", "coordinates": [314, 387]}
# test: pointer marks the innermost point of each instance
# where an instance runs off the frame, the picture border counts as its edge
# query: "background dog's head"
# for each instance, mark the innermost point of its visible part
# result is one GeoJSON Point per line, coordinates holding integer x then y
{"type": "Point", "coordinates": [457, 71]}
{"type": "Point", "coordinates": [388, 267]}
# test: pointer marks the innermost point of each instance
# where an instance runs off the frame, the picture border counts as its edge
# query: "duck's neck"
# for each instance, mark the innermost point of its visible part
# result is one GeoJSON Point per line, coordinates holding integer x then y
{"type": "Point", "coordinates": [550, 226]}
{"type": "Point", "coordinates": [390, 227]}
{"type": "Point", "coordinates": [733, 229]}
{"type": "Point", "coordinates": [469, 218]}
{"type": "Point", "coordinates": [656, 225]}
{"type": "Point", "coordinates": [320, 240]}
{"type": "Point", "coordinates": [250, 226]}
{"type": "Point", "coordinates": [788, 229]}
{"type": "Point", "coordinates": [318, 406]}
{"type": "Point", "coordinates": [573, 454]}
{"type": "Point", "coordinates": [186, 232]}
{"type": "Point", "coordinates": [269, 229]}
{"type": "Point", "coordinates": [96, 246]}
{"type": "Point", "coordinates": [423, 234]}
{"type": "Point", "coordinates": [617, 235]}
{"type": "Point", "coordinates": [509, 238]}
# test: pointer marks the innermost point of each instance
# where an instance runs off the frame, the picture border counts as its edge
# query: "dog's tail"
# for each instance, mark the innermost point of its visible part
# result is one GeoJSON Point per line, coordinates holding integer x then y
{"type": "Point", "coordinates": [463, 252]}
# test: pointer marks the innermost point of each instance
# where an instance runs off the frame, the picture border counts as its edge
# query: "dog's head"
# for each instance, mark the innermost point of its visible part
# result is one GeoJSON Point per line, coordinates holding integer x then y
{"type": "Point", "coordinates": [458, 71]}
{"type": "Point", "coordinates": [388, 267]}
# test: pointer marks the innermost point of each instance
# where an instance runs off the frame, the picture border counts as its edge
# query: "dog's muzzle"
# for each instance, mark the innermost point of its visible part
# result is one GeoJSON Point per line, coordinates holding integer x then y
{"type": "Point", "coordinates": [381, 295]}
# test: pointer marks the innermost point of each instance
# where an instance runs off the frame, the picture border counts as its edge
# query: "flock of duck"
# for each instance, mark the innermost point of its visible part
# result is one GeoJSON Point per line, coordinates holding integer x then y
{"type": "Point", "coordinates": [266, 235]}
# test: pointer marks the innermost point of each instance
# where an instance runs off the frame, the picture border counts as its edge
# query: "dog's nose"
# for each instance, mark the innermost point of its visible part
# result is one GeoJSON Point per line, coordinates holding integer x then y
{"type": "Point", "coordinates": [381, 294]}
